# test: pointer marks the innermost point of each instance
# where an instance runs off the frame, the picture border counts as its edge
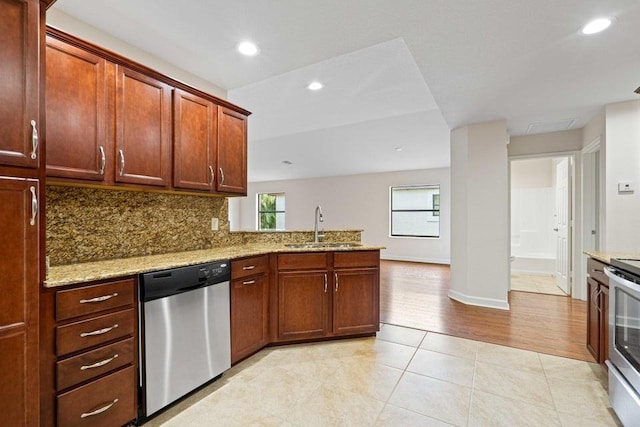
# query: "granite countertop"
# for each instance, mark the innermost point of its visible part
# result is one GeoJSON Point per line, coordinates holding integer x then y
{"type": "Point", "coordinates": [607, 256]}
{"type": "Point", "coordinates": [99, 270]}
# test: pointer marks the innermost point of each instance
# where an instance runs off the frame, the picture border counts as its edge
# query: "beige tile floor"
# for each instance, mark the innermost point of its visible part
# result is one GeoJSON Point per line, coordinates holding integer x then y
{"type": "Point", "coordinates": [535, 283]}
{"type": "Point", "coordinates": [403, 377]}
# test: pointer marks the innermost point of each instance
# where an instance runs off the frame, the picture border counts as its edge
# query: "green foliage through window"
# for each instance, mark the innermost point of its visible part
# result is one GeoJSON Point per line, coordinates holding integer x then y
{"type": "Point", "coordinates": [271, 211]}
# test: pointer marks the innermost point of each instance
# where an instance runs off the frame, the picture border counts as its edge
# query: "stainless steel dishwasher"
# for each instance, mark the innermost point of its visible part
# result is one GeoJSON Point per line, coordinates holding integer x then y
{"type": "Point", "coordinates": [184, 331]}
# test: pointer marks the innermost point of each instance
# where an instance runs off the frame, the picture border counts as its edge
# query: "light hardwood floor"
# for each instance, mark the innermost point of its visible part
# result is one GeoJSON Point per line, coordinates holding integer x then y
{"type": "Point", "coordinates": [416, 295]}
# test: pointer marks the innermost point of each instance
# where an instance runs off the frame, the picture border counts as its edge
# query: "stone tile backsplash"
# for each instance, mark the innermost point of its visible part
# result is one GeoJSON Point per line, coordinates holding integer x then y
{"type": "Point", "coordinates": [87, 224]}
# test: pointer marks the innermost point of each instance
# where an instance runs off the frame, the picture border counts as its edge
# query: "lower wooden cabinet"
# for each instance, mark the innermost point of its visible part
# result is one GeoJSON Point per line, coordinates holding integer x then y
{"type": "Point", "coordinates": [336, 295]}
{"type": "Point", "coordinates": [106, 402]}
{"type": "Point", "coordinates": [303, 305]}
{"type": "Point", "coordinates": [356, 301]}
{"type": "Point", "coordinates": [249, 307]}
{"type": "Point", "coordinates": [89, 354]}
{"type": "Point", "coordinates": [597, 311]}
{"type": "Point", "coordinates": [302, 296]}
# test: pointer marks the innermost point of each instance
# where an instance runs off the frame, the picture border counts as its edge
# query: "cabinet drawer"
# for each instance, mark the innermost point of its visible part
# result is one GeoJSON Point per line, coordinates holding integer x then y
{"type": "Point", "coordinates": [249, 266]}
{"type": "Point", "coordinates": [356, 259]}
{"type": "Point", "coordinates": [86, 366]}
{"type": "Point", "coordinates": [303, 261]}
{"type": "Point", "coordinates": [595, 269]}
{"type": "Point", "coordinates": [88, 333]}
{"type": "Point", "coordinates": [92, 299]}
{"type": "Point", "coordinates": [107, 402]}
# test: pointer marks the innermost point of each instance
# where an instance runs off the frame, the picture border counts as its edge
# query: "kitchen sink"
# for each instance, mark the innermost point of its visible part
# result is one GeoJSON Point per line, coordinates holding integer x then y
{"type": "Point", "coordinates": [312, 245]}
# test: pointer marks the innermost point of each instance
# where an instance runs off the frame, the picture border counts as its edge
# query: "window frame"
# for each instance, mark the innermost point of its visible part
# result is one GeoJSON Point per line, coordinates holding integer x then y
{"type": "Point", "coordinates": [435, 212]}
{"type": "Point", "coordinates": [276, 212]}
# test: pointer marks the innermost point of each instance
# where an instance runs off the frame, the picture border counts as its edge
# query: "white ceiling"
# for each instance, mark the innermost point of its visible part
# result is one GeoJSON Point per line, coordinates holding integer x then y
{"type": "Point", "coordinates": [396, 72]}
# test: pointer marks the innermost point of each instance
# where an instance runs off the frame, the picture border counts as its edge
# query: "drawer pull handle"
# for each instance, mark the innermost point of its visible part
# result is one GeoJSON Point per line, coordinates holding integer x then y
{"type": "Point", "coordinates": [103, 160]}
{"type": "Point", "coordinates": [99, 299]}
{"type": "Point", "coordinates": [34, 140]}
{"type": "Point", "coordinates": [121, 154]}
{"type": "Point", "coordinates": [98, 364]}
{"type": "Point", "coordinates": [337, 284]}
{"type": "Point", "coordinates": [34, 205]}
{"type": "Point", "coordinates": [598, 271]}
{"type": "Point", "coordinates": [248, 267]}
{"type": "Point", "coordinates": [249, 282]}
{"type": "Point", "coordinates": [98, 332]}
{"type": "Point", "coordinates": [212, 176]}
{"type": "Point", "coordinates": [99, 411]}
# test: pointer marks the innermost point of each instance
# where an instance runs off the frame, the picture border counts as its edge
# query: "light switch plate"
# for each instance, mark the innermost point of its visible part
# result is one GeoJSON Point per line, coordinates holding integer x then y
{"type": "Point", "coordinates": [214, 224]}
{"type": "Point", "coordinates": [625, 187]}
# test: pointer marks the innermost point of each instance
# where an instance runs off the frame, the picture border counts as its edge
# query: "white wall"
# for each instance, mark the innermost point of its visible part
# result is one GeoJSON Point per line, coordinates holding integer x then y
{"type": "Point", "coordinates": [479, 221]}
{"type": "Point", "coordinates": [70, 25]}
{"type": "Point", "coordinates": [356, 202]}
{"type": "Point", "coordinates": [622, 149]}
{"type": "Point", "coordinates": [546, 143]}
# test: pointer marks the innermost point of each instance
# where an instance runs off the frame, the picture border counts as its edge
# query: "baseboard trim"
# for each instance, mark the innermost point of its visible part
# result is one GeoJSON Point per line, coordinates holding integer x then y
{"type": "Point", "coordinates": [415, 259]}
{"type": "Point", "coordinates": [478, 301]}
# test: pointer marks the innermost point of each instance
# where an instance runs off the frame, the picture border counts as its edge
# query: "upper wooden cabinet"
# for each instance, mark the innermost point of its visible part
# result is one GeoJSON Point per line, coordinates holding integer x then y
{"type": "Point", "coordinates": [79, 107]}
{"type": "Point", "coordinates": [112, 121]}
{"type": "Point", "coordinates": [194, 141]}
{"type": "Point", "coordinates": [19, 83]}
{"type": "Point", "coordinates": [232, 151]}
{"type": "Point", "coordinates": [143, 129]}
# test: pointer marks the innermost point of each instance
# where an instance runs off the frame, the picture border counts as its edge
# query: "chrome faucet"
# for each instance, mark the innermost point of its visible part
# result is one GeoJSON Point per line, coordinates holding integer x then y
{"type": "Point", "coordinates": [318, 217]}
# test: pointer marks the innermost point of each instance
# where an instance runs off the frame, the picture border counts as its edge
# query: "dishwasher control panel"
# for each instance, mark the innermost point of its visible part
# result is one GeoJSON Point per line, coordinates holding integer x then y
{"type": "Point", "coordinates": [159, 284]}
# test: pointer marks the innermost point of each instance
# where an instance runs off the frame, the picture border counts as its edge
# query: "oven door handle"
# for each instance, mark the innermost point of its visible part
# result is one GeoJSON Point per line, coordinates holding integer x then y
{"type": "Point", "coordinates": [610, 272]}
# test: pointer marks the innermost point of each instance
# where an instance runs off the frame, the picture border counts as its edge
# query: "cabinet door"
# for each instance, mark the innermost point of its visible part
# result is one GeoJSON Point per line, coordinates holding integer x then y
{"type": "Point", "coordinates": [77, 110]}
{"type": "Point", "coordinates": [356, 301]}
{"type": "Point", "coordinates": [19, 100]}
{"type": "Point", "coordinates": [19, 280]}
{"type": "Point", "coordinates": [232, 151]}
{"type": "Point", "coordinates": [604, 324]}
{"type": "Point", "coordinates": [302, 305]}
{"type": "Point", "coordinates": [143, 129]}
{"type": "Point", "coordinates": [195, 126]}
{"type": "Point", "coordinates": [249, 316]}
{"type": "Point", "coordinates": [593, 318]}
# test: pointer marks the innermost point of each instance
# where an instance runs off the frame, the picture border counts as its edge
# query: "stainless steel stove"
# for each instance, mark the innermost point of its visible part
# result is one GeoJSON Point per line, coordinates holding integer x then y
{"type": "Point", "coordinates": [624, 336]}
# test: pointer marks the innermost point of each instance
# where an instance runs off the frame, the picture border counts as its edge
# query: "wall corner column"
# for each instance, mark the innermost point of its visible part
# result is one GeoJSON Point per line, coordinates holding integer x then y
{"type": "Point", "coordinates": [480, 215]}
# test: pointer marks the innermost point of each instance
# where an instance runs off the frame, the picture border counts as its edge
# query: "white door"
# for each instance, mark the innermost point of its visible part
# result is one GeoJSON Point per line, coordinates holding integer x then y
{"type": "Point", "coordinates": [562, 225]}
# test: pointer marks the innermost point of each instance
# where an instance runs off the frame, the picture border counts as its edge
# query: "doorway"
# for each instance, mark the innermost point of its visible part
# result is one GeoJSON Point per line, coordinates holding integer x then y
{"type": "Point", "coordinates": [541, 218]}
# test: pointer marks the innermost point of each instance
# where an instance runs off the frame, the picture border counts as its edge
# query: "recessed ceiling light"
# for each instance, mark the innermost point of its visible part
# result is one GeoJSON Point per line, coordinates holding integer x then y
{"type": "Point", "coordinates": [315, 86]}
{"type": "Point", "coordinates": [398, 148]}
{"type": "Point", "coordinates": [248, 48]}
{"type": "Point", "coordinates": [596, 26]}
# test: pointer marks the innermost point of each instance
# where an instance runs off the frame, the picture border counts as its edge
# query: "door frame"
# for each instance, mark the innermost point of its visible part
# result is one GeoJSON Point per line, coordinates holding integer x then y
{"type": "Point", "coordinates": [590, 192]}
{"type": "Point", "coordinates": [576, 287]}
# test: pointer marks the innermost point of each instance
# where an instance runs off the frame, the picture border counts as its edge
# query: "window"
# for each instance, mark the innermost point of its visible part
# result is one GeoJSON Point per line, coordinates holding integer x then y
{"type": "Point", "coordinates": [271, 211]}
{"type": "Point", "coordinates": [415, 211]}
